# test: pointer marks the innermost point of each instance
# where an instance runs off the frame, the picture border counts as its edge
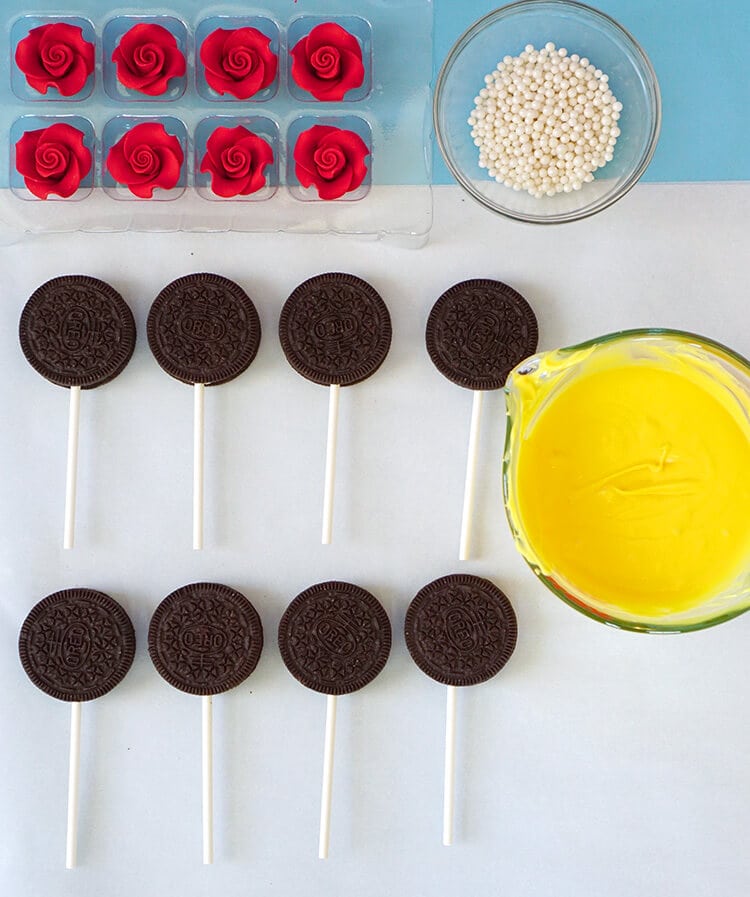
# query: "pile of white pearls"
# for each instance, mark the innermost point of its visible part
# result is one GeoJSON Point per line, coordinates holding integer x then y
{"type": "Point", "coordinates": [545, 121]}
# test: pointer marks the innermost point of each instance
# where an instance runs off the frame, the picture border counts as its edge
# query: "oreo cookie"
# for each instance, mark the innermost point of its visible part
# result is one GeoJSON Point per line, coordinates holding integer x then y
{"type": "Point", "coordinates": [335, 329]}
{"type": "Point", "coordinates": [335, 637]}
{"type": "Point", "coordinates": [205, 638]}
{"type": "Point", "coordinates": [203, 328]}
{"type": "Point", "coordinates": [77, 331]}
{"type": "Point", "coordinates": [478, 331]}
{"type": "Point", "coordinates": [460, 629]}
{"type": "Point", "coordinates": [76, 644]}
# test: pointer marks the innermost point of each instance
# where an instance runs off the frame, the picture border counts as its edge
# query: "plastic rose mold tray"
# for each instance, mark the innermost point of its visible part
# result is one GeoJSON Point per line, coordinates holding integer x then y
{"type": "Point", "coordinates": [224, 118]}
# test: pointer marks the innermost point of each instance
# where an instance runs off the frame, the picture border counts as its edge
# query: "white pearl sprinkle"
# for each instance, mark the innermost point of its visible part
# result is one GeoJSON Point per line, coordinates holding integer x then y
{"type": "Point", "coordinates": [544, 121]}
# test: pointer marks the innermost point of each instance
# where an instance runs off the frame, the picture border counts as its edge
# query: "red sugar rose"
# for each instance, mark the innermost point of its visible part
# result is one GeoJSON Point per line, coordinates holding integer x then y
{"type": "Point", "coordinates": [328, 62]}
{"type": "Point", "coordinates": [53, 160]}
{"type": "Point", "coordinates": [330, 159]}
{"type": "Point", "coordinates": [146, 157]}
{"type": "Point", "coordinates": [147, 57]}
{"type": "Point", "coordinates": [236, 159]}
{"type": "Point", "coordinates": [56, 55]}
{"type": "Point", "coordinates": [239, 61]}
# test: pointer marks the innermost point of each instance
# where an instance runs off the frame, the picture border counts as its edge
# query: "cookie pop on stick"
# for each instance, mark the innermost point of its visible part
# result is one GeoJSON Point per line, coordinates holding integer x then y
{"type": "Point", "coordinates": [334, 638]}
{"type": "Point", "coordinates": [78, 332]}
{"type": "Point", "coordinates": [203, 329]}
{"type": "Point", "coordinates": [477, 332]}
{"type": "Point", "coordinates": [336, 331]}
{"type": "Point", "coordinates": [460, 630]}
{"type": "Point", "coordinates": [204, 639]}
{"type": "Point", "coordinates": [76, 645]}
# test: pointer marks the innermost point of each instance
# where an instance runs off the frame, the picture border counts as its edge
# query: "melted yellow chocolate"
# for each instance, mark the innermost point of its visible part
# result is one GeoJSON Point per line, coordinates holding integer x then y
{"type": "Point", "coordinates": [632, 481]}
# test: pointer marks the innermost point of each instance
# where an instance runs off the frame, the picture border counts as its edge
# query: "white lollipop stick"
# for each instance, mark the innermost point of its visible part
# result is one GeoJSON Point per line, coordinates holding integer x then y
{"type": "Point", "coordinates": [449, 776]}
{"type": "Point", "coordinates": [325, 797]}
{"type": "Point", "coordinates": [333, 423]}
{"type": "Point", "coordinates": [199, 391]}
{"type": "Point", "coordinates": [71, 473]}
{"type": "Point", "coordinates": [71, 843]}
{"type": "Point", "coordinates": [208, 779]}
{"type": "Point", "coordinates": [471, 475]}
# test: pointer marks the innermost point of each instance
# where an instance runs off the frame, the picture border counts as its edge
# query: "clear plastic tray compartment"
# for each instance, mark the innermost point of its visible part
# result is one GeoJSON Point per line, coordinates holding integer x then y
{"type": "Point", "coordinates": [68, 55]}
{"type": "Point", "coordinates": [145, 58]}
{"type": "Point", "coordinates": [301, 28]}
{"type": "Point", "coordinates": [228, 63]}
{"type": "Point", "coordinates": [30, 130]}
{"type": "Point", "coordinates": [120, 135]}
{"type": "Point", "coordinates": [262, 128]}
{"type": "Point", "coordinates": [349, 124]}
{"type": "Point", "coordinates": [213, 78]}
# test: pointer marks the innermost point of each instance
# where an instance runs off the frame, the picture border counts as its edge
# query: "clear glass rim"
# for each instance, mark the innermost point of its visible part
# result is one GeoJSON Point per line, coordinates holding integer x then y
{"type": "Point", "coordinates": [605, 201]}
{"type": "Point", "coordinates": [636, 332]}
{"type": "Point", "coordinates": [647, 626]}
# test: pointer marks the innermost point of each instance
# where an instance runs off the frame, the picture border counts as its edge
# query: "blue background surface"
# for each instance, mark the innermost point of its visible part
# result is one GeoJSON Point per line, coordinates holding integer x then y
{"type": "Point", "coordinates": [700, 52]}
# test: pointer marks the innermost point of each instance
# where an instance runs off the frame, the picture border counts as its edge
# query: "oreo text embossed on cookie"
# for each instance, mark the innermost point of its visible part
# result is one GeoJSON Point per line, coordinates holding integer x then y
{"type": "Point", "coordinates": [78, 332]}
{"type": "Point", "coordinates": [203, 329]}
{"type": "Point", "coordinates": [76, 645]}
{"type": "Point", "coordinates": [460, 630]}
{"type": "Point", "coordinates": [336, 331]}
{"type": "Point", "coordinates": [335, 637]}
{"type": "Point", "coordinates": [205, 638]}
{"type": "Point", "coordinates": [477, 332]}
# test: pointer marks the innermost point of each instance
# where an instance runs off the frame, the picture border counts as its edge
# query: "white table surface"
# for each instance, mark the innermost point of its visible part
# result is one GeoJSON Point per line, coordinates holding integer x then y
{"type": "Point", "coordinates": [597, 763]}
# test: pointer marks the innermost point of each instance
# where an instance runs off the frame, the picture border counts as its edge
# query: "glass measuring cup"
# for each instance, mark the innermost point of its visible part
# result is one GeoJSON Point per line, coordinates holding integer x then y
{"type": "Point", "coordinates": [537, 384]}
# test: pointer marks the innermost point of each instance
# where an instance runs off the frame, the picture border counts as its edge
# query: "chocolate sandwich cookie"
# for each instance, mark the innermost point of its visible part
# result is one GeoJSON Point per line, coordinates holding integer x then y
{"type": "Point", "coordinates": [335, 329]}
{"type": "Point", "coordinates": [460, 629]}
{"type": "Point", "coordinates": [335, 637]}
{"type": "Point", "coordinates": [77, 331]}
{"type": "Point", "coordinates": [478, 331]}
{"type": "Point", "coordinates": [77, 644]}
{"type": "Point", "coordinates": [205, 638]}
{"type": "Point", "coordinates": [203, 328]}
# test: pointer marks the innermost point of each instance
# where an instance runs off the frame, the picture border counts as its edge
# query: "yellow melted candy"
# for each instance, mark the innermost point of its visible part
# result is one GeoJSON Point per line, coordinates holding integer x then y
{"type": "Point", "coordinates": [632, 481]}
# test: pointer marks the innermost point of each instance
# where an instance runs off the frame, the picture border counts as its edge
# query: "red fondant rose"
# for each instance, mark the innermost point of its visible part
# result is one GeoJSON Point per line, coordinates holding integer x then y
{"type": "Point", "coordinates": [147, 57]}
{"type": "Point", "coordinates": [330, 159]}
{"type": "Point", "coordinates": [146, 157]}
{"type": "Point", "coordinates": [328, 62]}
{"type": "Point", "coordinates": [56, 55]}
{"type": "Point", "coordinates": [53, 160]}
{"type": "Point", "coordinates": [236, 159]}
{"type": "Point", "coordinates": [239, 62]}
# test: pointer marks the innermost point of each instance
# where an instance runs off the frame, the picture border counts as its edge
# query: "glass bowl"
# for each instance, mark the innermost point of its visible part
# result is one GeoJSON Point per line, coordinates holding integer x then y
{"type": "Point", "coordinates": [582, 30]}
{"type": "Point", "coordinates": [664, 507]}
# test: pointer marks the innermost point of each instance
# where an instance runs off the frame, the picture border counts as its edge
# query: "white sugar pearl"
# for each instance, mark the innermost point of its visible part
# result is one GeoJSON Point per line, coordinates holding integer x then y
{"type": "Point", "coordinates": [544, 121]}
